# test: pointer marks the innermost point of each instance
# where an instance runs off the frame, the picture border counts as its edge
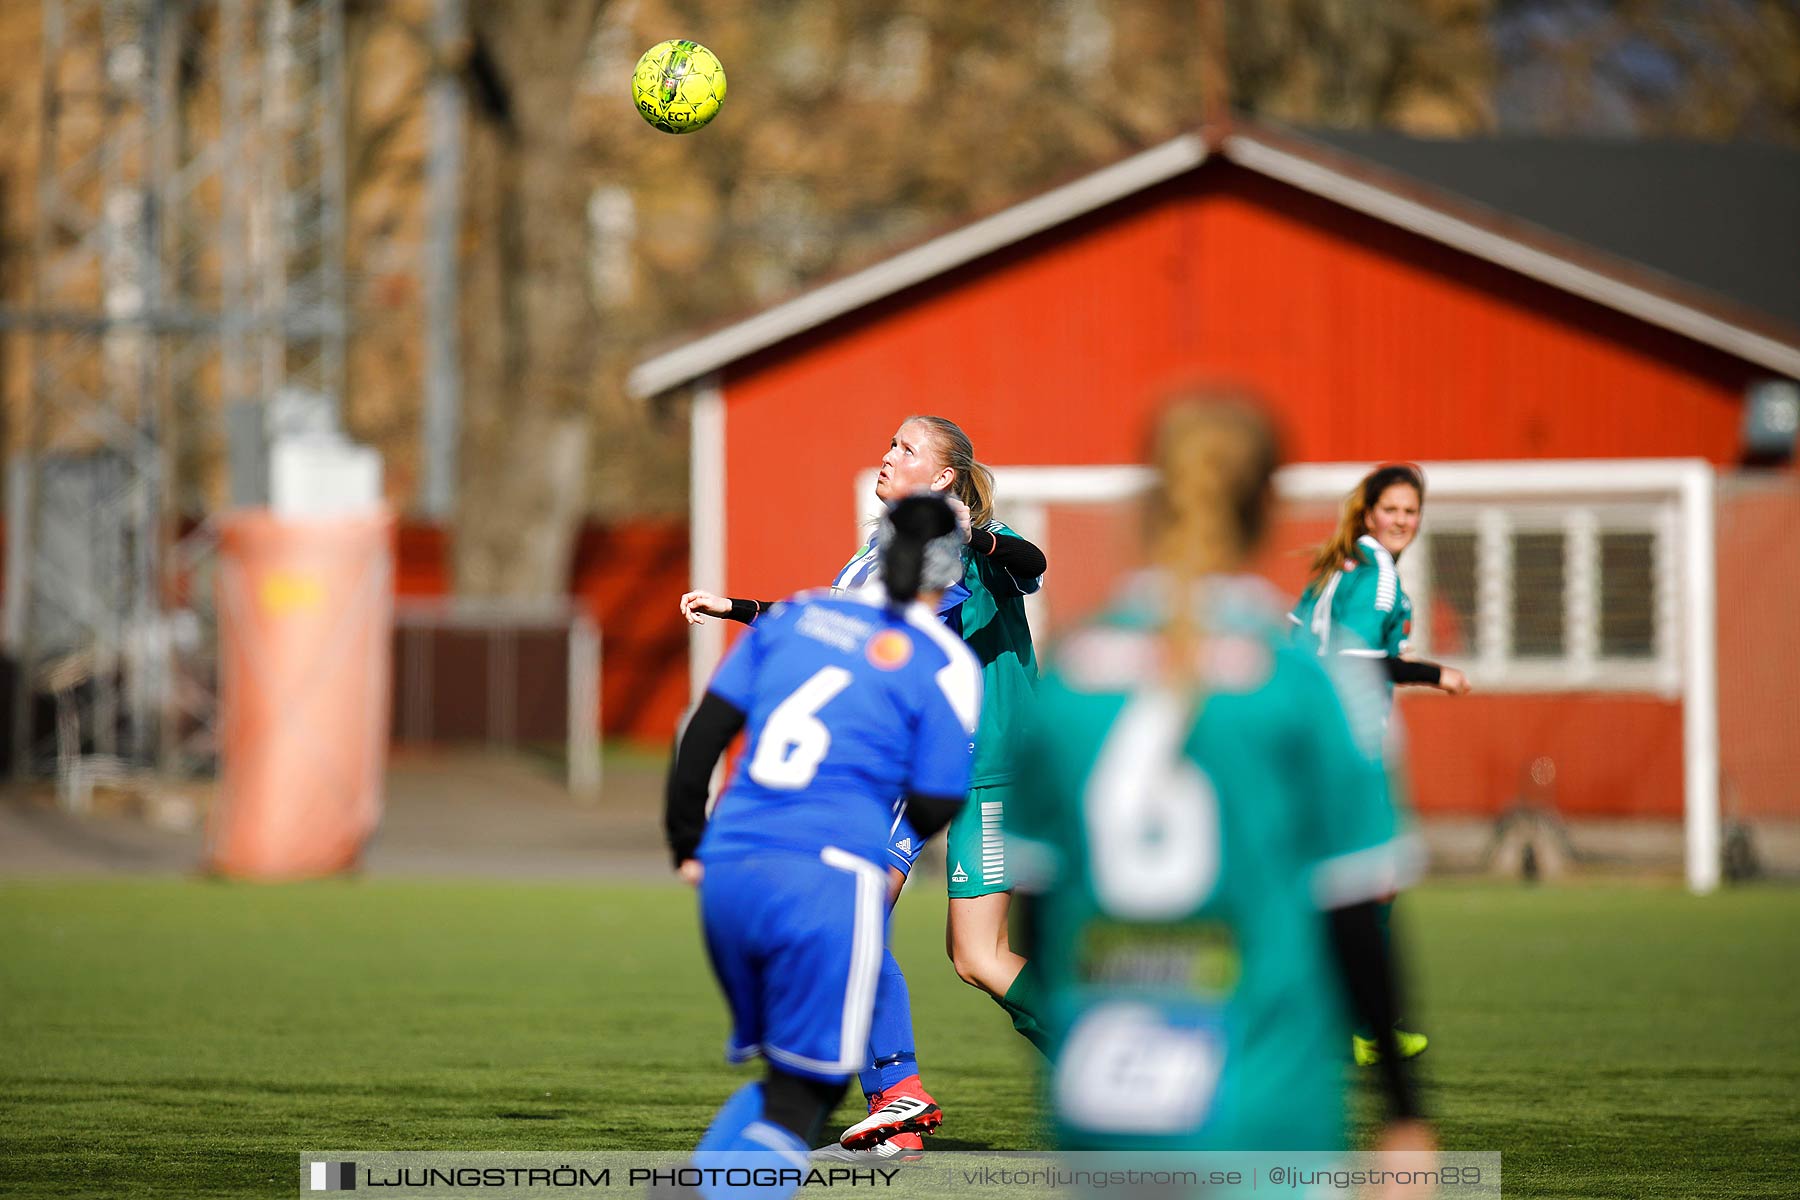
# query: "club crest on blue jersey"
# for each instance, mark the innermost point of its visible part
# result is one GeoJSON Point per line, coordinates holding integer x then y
{"type": "Point", "coordinates": [889, 650]}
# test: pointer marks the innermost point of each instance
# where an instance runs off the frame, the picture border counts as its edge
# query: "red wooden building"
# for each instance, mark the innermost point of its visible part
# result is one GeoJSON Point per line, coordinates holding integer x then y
{"type": "Point", "coordinates": [1383, 317]}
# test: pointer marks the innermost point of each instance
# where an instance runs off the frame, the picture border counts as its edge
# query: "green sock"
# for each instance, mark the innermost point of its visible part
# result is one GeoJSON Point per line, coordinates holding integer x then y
{"type": "Point", "coordinates": [1023, 1002]}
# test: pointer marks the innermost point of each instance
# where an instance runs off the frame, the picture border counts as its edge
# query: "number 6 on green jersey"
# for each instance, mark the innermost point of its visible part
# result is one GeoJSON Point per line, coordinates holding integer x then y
{"type": "Point", "coordinates": [1151, 813]}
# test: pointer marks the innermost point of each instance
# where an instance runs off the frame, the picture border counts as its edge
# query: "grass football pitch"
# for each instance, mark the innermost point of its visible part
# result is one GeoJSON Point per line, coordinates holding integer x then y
{"type": "Point", "coordinates": [190, 1038]}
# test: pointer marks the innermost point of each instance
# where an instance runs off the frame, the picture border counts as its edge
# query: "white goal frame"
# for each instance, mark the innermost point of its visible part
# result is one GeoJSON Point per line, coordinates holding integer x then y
{"type": "Point", "coordinates": [1678, 491]}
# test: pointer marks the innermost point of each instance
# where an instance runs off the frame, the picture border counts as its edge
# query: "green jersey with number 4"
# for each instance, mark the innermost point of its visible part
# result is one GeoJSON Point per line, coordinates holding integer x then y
{"type": "Point", "coordinates": [1358, 610]}
{"type": "Point", "coordinates": [1185, 847]}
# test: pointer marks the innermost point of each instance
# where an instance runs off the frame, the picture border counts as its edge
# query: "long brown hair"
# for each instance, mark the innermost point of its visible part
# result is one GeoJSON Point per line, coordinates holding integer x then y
{"type": "Point", "coordinates": [1353, 516]}
{"type": "Point", "coordinates": [974, 484]}
{"type": "Point", "coordinates": [1215, 454]}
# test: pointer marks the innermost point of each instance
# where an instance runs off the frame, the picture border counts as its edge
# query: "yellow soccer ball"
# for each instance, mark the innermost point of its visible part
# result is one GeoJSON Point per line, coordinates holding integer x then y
{"type": "Point", "coordinates": [678, 85]}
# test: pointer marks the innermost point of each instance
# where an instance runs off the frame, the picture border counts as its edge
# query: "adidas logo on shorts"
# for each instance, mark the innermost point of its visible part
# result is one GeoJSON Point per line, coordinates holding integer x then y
{"type": "Point", "coordinates": [959, 875]}
{"type": "Point", "coordinates": [904, 845]}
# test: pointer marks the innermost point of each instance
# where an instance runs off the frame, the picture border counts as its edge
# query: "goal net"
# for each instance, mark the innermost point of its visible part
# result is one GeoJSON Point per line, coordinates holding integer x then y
{"type": "Point", "coordinates": [1579, 597]}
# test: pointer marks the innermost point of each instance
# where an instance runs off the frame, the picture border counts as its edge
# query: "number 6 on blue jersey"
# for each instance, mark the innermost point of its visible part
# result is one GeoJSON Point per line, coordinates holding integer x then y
{"type": "Point", "coordinates": [794, 741]}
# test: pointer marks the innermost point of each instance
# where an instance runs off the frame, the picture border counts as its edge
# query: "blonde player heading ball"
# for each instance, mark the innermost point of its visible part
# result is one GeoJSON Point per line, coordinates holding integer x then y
{"type": "Point", "coordinates": [1202, 830]}
{"type": "Point", "coordinates": [849, 700]}
{"type": "Point", "coordinates": [986, 608]}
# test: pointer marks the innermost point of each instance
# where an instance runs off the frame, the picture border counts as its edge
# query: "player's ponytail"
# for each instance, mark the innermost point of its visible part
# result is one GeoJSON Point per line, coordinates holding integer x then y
{"type": "Point", "coordinates": [974, 484]}
{"type": "Point", "coordinates": [920, 547]}
{"type": "Point", "coordinates": [1215, 455]}
{"type": "Point", "coordinates": [1353, 516]}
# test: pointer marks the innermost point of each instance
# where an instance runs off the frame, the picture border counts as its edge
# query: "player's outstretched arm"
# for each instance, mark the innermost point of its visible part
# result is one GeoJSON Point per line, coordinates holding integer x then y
{"type": "Point", "coordinates": [1407, 671]}
{"type": "Point", "coordinates": [1454, 682]}
{"type": "Point", "coordinates": [697, 606]}
{"type": "Point", "coordinates": [714, 723]}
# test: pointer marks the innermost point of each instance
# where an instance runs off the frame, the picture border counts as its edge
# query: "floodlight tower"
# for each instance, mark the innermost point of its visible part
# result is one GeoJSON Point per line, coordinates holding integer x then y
{"type": "Point", "coordinates": [281, 326]}
{"type": "Point", "coordinates": [298, 231]}
{"type": "Point", "coordinates": [87, 483]}
{"type": "Point", "coordinates": [187, 256]}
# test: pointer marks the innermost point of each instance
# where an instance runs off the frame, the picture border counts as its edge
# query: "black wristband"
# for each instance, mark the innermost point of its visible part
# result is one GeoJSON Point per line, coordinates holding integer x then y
{"type": "Point", "coordinates": [1405, 670]}
{"type": "Point", "coordinates": [745, 611]}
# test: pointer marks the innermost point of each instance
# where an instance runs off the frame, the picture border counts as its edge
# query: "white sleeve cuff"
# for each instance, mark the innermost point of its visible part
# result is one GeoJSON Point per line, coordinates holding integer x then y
{"type": "Point", "coordinates": [1028, 586]}
{"type": "Point", "coordinates": [1033, 865]}
{"type": "Point", "coordinates": [1368, 874]}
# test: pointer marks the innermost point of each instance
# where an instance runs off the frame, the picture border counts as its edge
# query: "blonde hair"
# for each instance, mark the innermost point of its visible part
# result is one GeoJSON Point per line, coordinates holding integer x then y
{"type": "Point", "coordinates": [1353, 516]}
{"type": "Point", "coordinates": [974, 484]}
{"type": "Point", "coordinates": [1215, 454]}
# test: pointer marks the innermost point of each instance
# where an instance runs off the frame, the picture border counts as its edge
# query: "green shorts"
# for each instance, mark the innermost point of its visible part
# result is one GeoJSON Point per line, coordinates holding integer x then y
{"type": "Point", "coordinates": [975, 845]}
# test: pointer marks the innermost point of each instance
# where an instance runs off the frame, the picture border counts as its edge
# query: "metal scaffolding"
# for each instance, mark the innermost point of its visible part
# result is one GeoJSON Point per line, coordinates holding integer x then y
{"type": "Point", "coordinates": [187, 258]}
{"type": "Point", "coordinates": [297, 231]}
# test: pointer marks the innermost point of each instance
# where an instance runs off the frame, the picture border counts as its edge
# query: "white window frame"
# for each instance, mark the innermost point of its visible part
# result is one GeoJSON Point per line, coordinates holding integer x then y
{"type": "Point", "coordinates": [1580, 666]}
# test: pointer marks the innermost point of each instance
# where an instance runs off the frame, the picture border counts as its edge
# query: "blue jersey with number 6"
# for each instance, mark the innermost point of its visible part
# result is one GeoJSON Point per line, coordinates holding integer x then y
{"type": "Point", "coordinates": [849, 703]}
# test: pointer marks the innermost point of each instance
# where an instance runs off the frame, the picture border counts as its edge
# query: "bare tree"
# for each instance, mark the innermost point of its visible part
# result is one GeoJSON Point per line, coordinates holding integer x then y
{"type": "Point", "coordinates": [531, 376]}
{"type": "Point", "coordinates": [1423, 66]}
{"type": "Point", "coordinates": [1727, 69]}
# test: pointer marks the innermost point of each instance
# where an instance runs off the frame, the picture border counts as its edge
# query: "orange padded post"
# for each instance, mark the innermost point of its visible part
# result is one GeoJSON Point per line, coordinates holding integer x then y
{"type": "Point", "coordinates": [306, 614]}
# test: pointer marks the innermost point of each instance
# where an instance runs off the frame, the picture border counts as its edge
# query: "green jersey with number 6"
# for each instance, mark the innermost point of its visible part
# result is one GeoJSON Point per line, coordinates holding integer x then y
{"type": "Point", "coordinates": [1185, 846]}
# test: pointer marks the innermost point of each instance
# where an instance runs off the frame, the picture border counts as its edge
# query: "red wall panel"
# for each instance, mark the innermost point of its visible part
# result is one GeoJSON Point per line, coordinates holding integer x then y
{"type": "Point", "coordinates": [1370, 342]}
{"type": "Point", "coordinates": [1759, 647]}
{"type": "Point", "coordinates": [1379, 344]}
{"type": "Point", "coordinates": [630, 576]}
{"type": "Point", "coordinates": [1615, 756]}
{"type": "Point", "coordinates": [421, 559]}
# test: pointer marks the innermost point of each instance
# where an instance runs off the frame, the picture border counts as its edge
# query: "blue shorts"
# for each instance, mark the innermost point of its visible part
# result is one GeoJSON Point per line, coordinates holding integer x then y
{"type": "Point", "coordinates": [796, 944]}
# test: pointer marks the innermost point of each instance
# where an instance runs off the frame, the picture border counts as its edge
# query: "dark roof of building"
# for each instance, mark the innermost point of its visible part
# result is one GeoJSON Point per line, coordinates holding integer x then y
{"type": "Point", "coordinates": [1721, 217]}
